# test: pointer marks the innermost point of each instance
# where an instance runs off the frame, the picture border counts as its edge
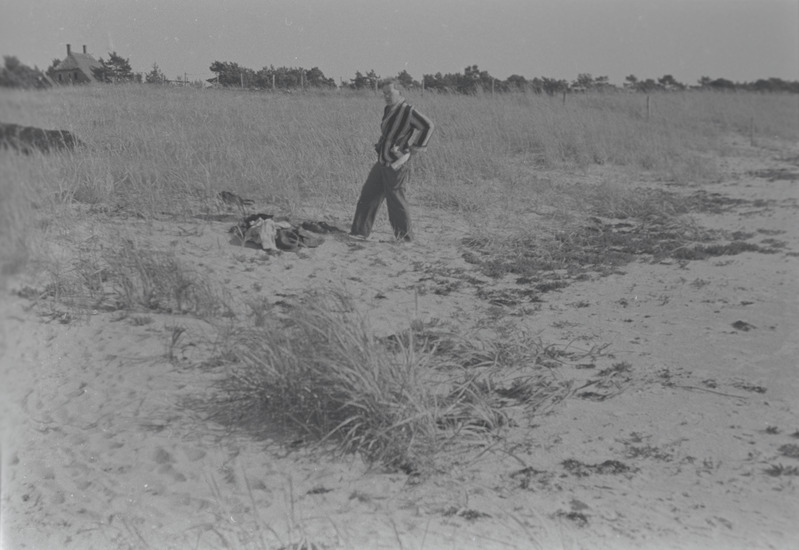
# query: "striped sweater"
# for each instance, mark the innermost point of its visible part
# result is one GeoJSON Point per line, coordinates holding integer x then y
{"type": "Point", "coordinates": [403, 127]}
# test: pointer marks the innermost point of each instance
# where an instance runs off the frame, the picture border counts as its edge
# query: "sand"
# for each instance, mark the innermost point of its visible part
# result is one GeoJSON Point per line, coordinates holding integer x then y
{"type": "Point", "coordinates": [680, 430]}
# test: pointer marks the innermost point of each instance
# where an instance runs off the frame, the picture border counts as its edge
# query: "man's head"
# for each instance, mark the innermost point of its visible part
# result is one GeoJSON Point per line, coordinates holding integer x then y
{"type": "Point", "coordinates": [391, 91]}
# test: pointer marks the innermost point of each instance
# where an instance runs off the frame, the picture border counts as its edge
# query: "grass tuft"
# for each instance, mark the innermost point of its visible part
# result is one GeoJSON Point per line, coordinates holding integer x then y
{"type": "Point", "coordinates": [325, 376]}
{"type": "Point", "coordinates": [126, 277]}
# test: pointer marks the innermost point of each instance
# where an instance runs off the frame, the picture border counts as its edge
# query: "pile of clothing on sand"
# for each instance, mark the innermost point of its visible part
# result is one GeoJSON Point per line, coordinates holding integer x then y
{"type": "Point", "coordinates": [278, 233]}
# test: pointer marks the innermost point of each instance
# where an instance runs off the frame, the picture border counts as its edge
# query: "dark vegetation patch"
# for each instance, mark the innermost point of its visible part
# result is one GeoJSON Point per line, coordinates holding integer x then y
{"type": "Point", "coordinates": [743, 326]}
{"type": "Point", "coordinates": [508, 296]}
{"type": "Point", "coordinates": [777, 470]}
{"type": "Point", "coordinates": [775, 174]}
{"type": "Point", "coordinates": [703, 201]}
{"type": "Point", "coordinates": [525, 476]}
{"type": "Point", "coordinates": [601, 247]}
{"type": "Point", "coordinates": [442, 280]}
{"type": "Point", "coordinates": [466, 513]}
{"type": "Point", "coordinates": [716, 203]}
{"type": "Point", "coordinates": [746, 386]}
{"type": "Point", "coordinates": [703, 252]}
{"type": "Point", "coordinates": [302, 545]}
{"type": "Point", "coordinates": [578, 518]}
{"type": "Point", "coordinates": [494, 358]}
{"type": "Point", "coordinates": [542, 262]}
{"type": "Point", "coordinates": [774, 244]}
{"type": "Point", "coordinates": [790, 450]}
{"type": "Point", "coordinates": [581, 469]}
{"type": "Point", "coordinates": [648, 451]}
{"type": "Point", "coordinates": [790, 160]}
{"type": "Point", "coordinates": [606, 383]}
{"type": "Point", "coordinates": [616, 368]}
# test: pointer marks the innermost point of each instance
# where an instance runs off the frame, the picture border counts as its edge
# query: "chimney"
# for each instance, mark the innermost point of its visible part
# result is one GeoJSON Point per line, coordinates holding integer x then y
{"type": "Point", "coordinates": [69, 50]}
{"type": "Point", "coordinates": [84, 48]}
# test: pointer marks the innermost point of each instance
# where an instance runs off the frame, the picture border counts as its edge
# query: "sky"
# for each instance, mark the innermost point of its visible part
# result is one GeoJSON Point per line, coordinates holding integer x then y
{"type": "Point", "coordinates": [740, 40]}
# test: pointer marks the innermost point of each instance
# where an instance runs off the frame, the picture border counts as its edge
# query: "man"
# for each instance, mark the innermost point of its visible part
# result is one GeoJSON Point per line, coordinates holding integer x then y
{"type": "Point", "coordinates": [404, 132]}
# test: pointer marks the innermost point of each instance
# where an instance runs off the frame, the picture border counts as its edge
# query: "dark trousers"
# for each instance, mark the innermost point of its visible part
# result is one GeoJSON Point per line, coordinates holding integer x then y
{"type": "Point", "coordinates": [386, 183]}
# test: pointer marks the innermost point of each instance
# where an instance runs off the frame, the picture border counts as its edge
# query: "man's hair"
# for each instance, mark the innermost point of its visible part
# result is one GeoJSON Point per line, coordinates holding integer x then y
{"type": "Point", "coordinates": [391, 80]}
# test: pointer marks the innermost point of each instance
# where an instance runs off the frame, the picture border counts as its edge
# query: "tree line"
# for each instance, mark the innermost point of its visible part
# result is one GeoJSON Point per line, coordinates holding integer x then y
{"type": "Point", "coordinates": [472, 80]}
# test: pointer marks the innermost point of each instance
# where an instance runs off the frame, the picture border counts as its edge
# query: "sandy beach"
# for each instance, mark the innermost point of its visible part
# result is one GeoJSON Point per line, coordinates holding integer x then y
{"type": "Point", "coordinates": [676, 426]}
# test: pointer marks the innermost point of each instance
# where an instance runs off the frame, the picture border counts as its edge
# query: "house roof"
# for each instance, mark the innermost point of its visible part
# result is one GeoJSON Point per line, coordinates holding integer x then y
{"type": "Point", "coordinates": [80, 61]}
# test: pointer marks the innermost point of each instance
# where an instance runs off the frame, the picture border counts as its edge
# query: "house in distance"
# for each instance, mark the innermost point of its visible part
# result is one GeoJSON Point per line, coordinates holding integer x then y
{"type": "Point", "coordinates": [76, 68]}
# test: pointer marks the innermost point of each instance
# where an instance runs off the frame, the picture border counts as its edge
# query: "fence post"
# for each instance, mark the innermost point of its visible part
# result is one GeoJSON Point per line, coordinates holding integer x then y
{"type": "Point", "coordinates": [564, 97]}
{"type": "Point", "coordinates": [648, 107]}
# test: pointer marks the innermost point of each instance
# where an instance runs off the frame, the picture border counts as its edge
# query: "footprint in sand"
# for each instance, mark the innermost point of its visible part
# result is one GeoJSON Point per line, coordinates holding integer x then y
{"type": "Point", "coordinates": [162, 456]}
{"type": "Point", "coordinates": [194, 454]}
{"type": "Point", "coordinates": [166, 468]}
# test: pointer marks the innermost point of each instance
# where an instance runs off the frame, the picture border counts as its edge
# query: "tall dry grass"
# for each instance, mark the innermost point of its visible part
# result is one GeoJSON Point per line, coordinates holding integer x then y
{"type": "Point", "coordinates": [159, 149]}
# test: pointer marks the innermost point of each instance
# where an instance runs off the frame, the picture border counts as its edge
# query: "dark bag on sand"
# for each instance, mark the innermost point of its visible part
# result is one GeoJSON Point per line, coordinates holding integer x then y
{"type": "Point", "coordinates": [292, 239]}
{"type": "Point", "coordinates": [309, 239]}
{"type": "Point", "coordinates": [287, 239]}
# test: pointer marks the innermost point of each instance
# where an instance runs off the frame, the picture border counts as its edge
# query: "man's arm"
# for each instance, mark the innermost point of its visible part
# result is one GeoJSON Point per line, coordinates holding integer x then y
{"type": "Point", "coordinates": [424, 129]}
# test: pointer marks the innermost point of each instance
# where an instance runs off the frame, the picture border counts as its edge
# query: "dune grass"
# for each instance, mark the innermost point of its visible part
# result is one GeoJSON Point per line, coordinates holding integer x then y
{"type": "Point", "coordinates": [156, 146]}
{"type": "Point", "coordinates": [159, 150]}
{"type": "Point", "coordinates": [321, 373]}
{"type": "Point", "coordinates": [118, 275]}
